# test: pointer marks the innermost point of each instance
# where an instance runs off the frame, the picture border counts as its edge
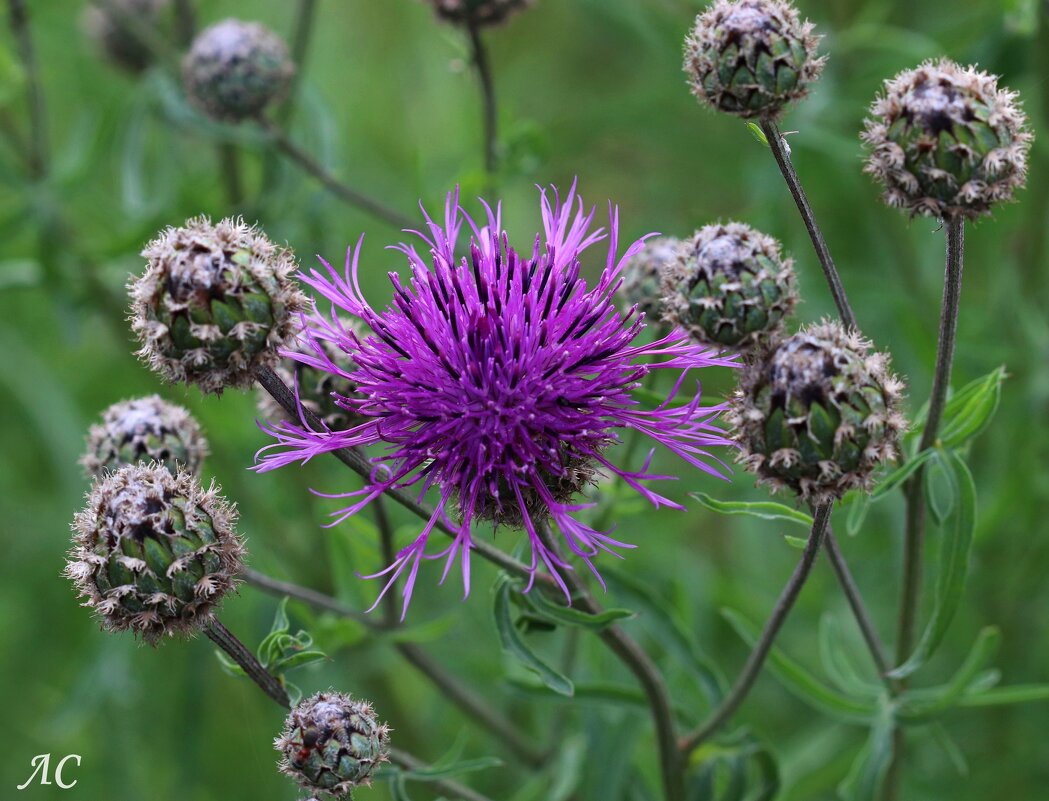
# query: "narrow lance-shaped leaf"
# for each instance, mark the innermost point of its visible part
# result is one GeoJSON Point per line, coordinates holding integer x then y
{"type": "Point", "coordinates": [766, 510]}
{"type": "Point", "coordinates": [868, 771]}
{"type": "Point", "coordinates": [514, 644]}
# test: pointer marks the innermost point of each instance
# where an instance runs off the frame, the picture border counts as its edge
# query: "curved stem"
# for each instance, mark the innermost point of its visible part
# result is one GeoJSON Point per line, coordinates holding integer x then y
{"type": "Point", "coordinates": [38, 154]}
{"type": "Point", "coordinates": [639, 663]}
{"type": "Point", "coordinates": [357, 462]}
{"type": "Point", "coordinates": [761, 650]}
{"type": "Point", "coordinates": [490, 115]}
{"type": "Point", "coordinates": [339, 189]}
{"type": "Point", "coordinates": [830, 272]}
{"type": "Point", "coordinates": [238, 652]}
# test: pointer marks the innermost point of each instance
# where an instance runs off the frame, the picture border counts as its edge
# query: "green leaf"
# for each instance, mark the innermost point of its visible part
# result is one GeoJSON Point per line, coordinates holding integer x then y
{"type": "Point", "coordinates": [280, 617]}
{"type": "Point", "coordinates": [957, 538]}
{"type": "Point", "coordinates": [766, 510]}
{"type": "Point", "coordinates": [943, 698]}
{"type": "Point", "coordinates": [799, 681]}
{"type": "Point", "coordinates": [229, 667]}
{"type": "Point", "coordinates": [868, 771]}
{"type": "Point", "coordinates": [515, 645]}
{"type": "Point", "coordinates": [295, 660]}
{"type": "Point", "coordinates": [440, 771]}
{"type": "Point", "coordinates": [796, 542]}
{"type": "Point", "coordinates": [941, 493]}
{"type": "Point", "coordinates": [399, 788]}
{"type": "Point", "coordinates": [758, 134]}
{"type": "Point", "coordinates": [1004, 696]}
{"type": "Point", "coordinates": [970, 410]}
{"type": "Point", "coordinates": [901, 474]}
{"type": "Point", "coordinates": [837, 662]}
{"type": "Point", "coordinates": [596, 692]}
{"type": "Point", "coordinates": [557, 613]}
{"type": "Point", "coordinates": [857, 514]}
{"type": "Point", "coordinates": [950, 748]}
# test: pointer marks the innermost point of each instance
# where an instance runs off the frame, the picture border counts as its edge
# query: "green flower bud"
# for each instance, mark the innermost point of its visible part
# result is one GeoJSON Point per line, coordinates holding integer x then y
{"type": "Point", "coordinates": [478, 12]}
{"type": "Point", "coordinates": [318, 388]}
{"type": "Point", "coordinates": [215, 303]}
{"type": "Point", "coordinates": [145, 430]}
{"type": "Point", "coordinates": [945, 141]}
{"type": "Point", "coordinates": [332, 743]}
{"type": "Point", "coordinates": [817, 412]}
{"type": "Point", "coordinates": [117, 30]}
{"type": "Point", "coordinates": [643, 276]}
{"type": "Point", "coordinates": [235, 69]}
{"type": "Point", "coordinates": [730, 287]}
{"type": "Point", "coordinates": [751, 57]}
{"type": "Point", "coordinates": [153, 552]}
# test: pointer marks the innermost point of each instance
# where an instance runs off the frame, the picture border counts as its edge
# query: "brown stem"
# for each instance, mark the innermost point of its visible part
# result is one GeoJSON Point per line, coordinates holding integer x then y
{"type": "Point", "coordinates": [484, 75]}
{"type": "Point", "coordinates": [269, 684]}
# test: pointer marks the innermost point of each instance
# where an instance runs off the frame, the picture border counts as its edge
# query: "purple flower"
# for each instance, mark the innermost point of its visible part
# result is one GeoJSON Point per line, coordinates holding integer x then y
{"type": "Point", "coordinates": [499, 380]}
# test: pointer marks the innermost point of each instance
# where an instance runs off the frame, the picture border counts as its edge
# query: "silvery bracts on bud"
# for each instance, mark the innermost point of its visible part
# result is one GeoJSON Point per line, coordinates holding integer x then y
{"type": "Point", "coordinates": [339, 189]}
{"type": "Point", "coordinates": [215, 303]}
{"type": "Point", "coordinates": [638, 662]}
{"type": "Point", "coordinates": [817, 412]}
{"type": "Point", "coordinates": [761, 650]}
{"type": "Point", "coordinates": [729, 286]}
{"type": "Point", "coordinates": [332, 743]}
{"type": "Point", "coordinates": [114, 28]}
{"type": "Point", "coordinates": [239, 653]}
{"type": "Point", "coordinates": [946, 141]}
{"type": "Point", "coordinates": [153, 552]}
{"type": "Point", "coordinates": [500, 380]}
{"type": "Point", "coordinates": [751, 58]}
{"type": "Point", "coordinates": [357, 462]}
{"type": "Point", "coordinates": [145, 430]}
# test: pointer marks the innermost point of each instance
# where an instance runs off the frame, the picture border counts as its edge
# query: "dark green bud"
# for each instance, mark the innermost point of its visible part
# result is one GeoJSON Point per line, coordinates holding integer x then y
{"type": "Point", "coordinates": [643, 276]}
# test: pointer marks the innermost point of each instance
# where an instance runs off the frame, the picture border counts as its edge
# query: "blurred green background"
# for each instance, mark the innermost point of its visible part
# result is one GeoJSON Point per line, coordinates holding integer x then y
{"type": "Point", "coordinates": [587, 88]}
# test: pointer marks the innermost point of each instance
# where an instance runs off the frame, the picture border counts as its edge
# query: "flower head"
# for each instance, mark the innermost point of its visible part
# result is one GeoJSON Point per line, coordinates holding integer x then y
{"type": "Point", "coordinates": [500, 379]}
{"type": "Point", "coordinates": [235, 69]}
{"type": "Point", "coordinates": [751, 58]}
{"type": "Point", "coordinates": [215, 302]}
{"type": "Point", "coordinates": [154, 552]}
{"type": "Point", "coordinates": [115, 29]}
{"type": "Point", "coordinates": [145, 430]}
{"type": "Point", "coordinates": [817, 412]}
{"type": "Point", "coordinates": [946, 141]}
{"type": "Point", "coordinates": [730, 286]}
{"type": "Point", "coordinates": [333, 743]}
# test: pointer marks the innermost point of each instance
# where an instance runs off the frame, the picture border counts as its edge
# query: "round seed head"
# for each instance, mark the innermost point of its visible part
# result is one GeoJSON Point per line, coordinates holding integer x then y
{"type": "Point", "coordinates": [332, 743]}
{"type": "Point", "coordinates": [643, 276]}
{"type": "Point", "coordinates": [115, 30]}
{"type": "Point", "coordinates": [320, 386]}
{"type": "Point", "coordinates": [478, 12]}
{"type": "Point", "coordinates": [730, 286]}
{"type": "Point", "coordinates": [945, 141]}
{"type": "Point", "coordinates": [751, 57]}
{"type": "Point", "coordinates": [215, 302]}
{"type": "Point", "coordinates": [817, 412]}
{"type": "Point", "coordinates": [154, 552]}
{"type": "Point", "coordinates": [235, 69]}
{"type": "Point", "coordinates": [145, 430]}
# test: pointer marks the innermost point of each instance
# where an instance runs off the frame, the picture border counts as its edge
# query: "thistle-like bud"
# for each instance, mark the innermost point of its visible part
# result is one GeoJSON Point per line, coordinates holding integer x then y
{"type": "Point", "coordinates": [319, 387]}
{"type": "Point", "coordinates": [946, 141]}
{"type": "Point", "coordinates": [215, 302]}
{"type": "Point", "coordinates": [643, 276]}
{"type": "Point", "coordinates": [729, 286]}
{"type": "Point", "coordinates": [235, 69]}
{"type": "Point", "coordinates": [145, 430]}
{"type": "Point", "coordinates": [751, 57]}
{"type": "Point", "coordinates": [332, 743]}
{"type": "Point", "coordinates": [117, 29]}
{"type": "Point", "coordinates": [478, 12]}
{"type": "Point", "coordinates": [154, 552]}
{"type": "Point", "coordinates": [817, 412]}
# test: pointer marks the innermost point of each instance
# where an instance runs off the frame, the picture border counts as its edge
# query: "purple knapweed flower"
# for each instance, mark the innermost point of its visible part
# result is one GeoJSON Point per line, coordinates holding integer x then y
{"type": "Point", "coordinates": [499, 380]}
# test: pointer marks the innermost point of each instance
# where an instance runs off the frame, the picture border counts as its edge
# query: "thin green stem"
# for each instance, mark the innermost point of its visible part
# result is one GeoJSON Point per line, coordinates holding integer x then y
{"type": "Point", "coordinates": [343, 191]}
{"type": "Point", "coordinates": [754, 663]}
{"type": "Point", "coordinates": [490, 115]}
{"type": "Point", "coordinates": [633, 656]}
{"type": "Point", "coordinates": [229, 164]}
{"type": "Point", "coordinates": [301, 39]}
{"type": "Point", "coordinates": [238, 652]}
{"type": "Point", "coordinates": [39, 149]}
{"type": "Point", "coordinates": [830, 272]}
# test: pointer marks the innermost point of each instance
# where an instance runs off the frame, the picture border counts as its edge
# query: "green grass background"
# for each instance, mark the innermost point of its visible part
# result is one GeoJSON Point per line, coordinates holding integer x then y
{"type": "Point", "coordinates": [588, 88]}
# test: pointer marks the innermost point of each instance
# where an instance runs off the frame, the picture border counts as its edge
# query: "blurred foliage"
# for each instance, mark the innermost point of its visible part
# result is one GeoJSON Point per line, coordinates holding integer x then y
{"type": "Point", "coordinates": [588, 88]}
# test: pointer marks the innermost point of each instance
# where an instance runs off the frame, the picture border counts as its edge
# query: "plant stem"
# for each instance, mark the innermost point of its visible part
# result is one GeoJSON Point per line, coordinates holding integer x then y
{"type": "Point", "coordinates": [224, 639]}
{"type": "Point", "coordinates": [39, 151]}
{"type": "Point", "coordinates": [644, 669]}
{"type": "Point", "coordinates": [761, 650]}
{"type": "Point", "coordinates": [300, 45]}
{"type": "Point", "coordinates": [914, 532]}
{"type": "Point", "coordinates": [185, 22]}
{"type": "Point", "coordinates": [339, 189]}
{"type": "Point", "coordinates": [830, 272]}
{"type": "Point", "coordinates": [490, 113]}
{"type": "Point", "coordinates": [357, 462]}
{"type": "Point", "coordinates": [403, 759]}
{"type": "Point", "coordinates": [466, 699]}
{"type": "Point", "coordinates": [229, 164]}
{"type": "Point", "coordinates": [382, 521]}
